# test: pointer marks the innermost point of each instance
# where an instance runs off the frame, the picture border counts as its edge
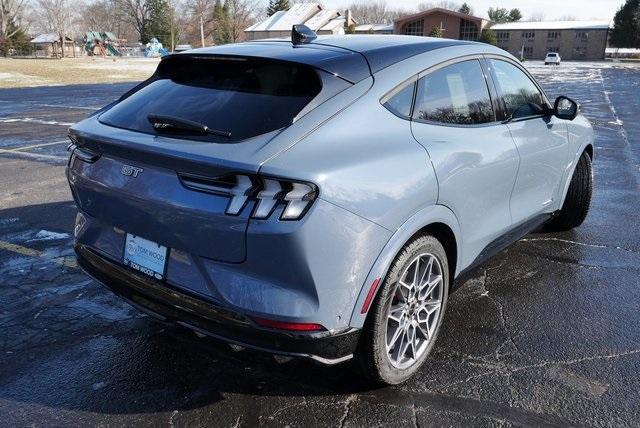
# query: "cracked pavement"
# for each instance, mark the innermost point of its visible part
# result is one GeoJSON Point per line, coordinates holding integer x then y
{"type": "Point", "coordinates": [546, 333]}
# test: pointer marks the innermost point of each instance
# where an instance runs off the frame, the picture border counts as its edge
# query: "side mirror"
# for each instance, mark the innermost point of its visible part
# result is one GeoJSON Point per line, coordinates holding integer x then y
{"type": "Point", "coordinates": [565, 108]}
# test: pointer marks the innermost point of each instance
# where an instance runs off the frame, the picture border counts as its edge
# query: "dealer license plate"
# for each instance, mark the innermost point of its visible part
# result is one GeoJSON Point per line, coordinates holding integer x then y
{"type": "Point", "coordinates": [145, 256]}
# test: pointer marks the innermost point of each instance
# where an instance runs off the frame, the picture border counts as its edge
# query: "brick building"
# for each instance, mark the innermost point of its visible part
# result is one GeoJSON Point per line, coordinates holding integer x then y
{"type": "Point", "coordinates": [573, 40]}
{"type": "Point", "coordinates": [454, 25]}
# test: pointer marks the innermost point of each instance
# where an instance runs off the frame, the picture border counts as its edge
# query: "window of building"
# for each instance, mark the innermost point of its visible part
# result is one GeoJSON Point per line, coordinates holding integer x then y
{"type": "Point", "coordinates": [582, 35]}
{"type": "Point", "coordinates": [553, 49]}
{"type": "Point", "coordinates": [400, 104]}
{"type": "Point", "coordinates": [502, 36]}
{"type": "Point", "coordinates": [520, 95]}
{"type": "Point", "coordinates": [553, 35]}
{"type": "Point", "coordinates": [456, 94]}
{"type": "Point", "coordinates": [528, 35]}
{"type": "Point", "coordinates": [528, 52]}
{"type": "Point", "coordinates": [415, 28]}
{"type": "Point", "coordinates": [468, 30]}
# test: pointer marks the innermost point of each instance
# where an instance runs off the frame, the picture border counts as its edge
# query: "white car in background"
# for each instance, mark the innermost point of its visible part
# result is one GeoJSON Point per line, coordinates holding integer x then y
{"type": "Point", "coordinates": [552, 58]}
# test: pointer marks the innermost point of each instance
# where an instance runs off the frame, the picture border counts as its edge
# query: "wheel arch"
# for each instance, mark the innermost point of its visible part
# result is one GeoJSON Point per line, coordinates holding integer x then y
{"type": "Point", "coordinates": [438, 221]}
{"type": "Point", "coordinates": [588, 149]}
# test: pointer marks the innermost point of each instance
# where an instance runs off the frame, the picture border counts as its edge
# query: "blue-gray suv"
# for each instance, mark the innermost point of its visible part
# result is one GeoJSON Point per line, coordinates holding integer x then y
{"type": "Point", "coordinates": [319, 197]}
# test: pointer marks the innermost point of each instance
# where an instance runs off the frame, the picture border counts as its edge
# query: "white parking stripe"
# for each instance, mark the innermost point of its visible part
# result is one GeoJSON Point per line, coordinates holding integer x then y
{"type": "Point", "coordinates": [64, 106]}
{"type": "Point", "coordinates": [32, 120]}
{"type": "Point", "coordinates": [34, 146]}
{"type": "Point", "coordinates": [33, 155]}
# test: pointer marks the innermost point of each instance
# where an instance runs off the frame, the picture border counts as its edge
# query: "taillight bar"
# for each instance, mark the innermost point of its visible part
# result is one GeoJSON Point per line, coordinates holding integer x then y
{"type": "Point", "coordinates": [268, 192]}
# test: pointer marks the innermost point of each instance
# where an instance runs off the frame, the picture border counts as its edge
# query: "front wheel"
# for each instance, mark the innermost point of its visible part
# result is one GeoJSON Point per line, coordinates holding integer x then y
{"type": "Point", "coordinates": [407, 313]}
{"type": "Point", "coordinates": [578, 201]}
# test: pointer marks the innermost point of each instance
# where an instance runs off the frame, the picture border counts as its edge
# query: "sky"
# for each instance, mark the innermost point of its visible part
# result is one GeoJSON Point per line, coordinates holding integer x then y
{"type": "Point", "coordinates": [549, 9]}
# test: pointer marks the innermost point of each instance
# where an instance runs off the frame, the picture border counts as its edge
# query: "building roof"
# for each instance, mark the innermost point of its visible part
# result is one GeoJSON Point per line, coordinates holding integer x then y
{"type": "Point", "coordinates": [428, 12]}
{"type": "Point", "coordinates": [373, 27]}
{"type": "Point", "coordinates": [49, 38]}
{"type": "Point", "coordinates": [552, 25]}
{"type": "Point", "coordinates": [299, 13]}
{"type": "Point", "coordinates": [310, 14]}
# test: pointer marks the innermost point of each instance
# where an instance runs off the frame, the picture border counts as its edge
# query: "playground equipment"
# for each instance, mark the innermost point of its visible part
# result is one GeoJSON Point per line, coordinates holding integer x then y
{"type": "Point", "coordinates": [155, 49]}
{"type": "Point", "coordinates": [102, 44]}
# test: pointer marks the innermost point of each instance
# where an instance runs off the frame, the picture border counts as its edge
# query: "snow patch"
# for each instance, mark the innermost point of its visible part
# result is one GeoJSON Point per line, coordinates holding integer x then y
{"type": "Point", "coordinates": [47, 235]}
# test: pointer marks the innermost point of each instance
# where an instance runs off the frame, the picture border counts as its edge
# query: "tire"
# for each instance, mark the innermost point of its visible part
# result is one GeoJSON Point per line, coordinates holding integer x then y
{"type": "Point", "coordinates": [576, 204]}
{"type": "Point", "coordinates": [373, 357]}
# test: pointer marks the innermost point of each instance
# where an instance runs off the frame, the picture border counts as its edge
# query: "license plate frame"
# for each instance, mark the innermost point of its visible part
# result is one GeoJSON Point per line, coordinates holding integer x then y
{"type": "Point", "coordinates": [145, 256]}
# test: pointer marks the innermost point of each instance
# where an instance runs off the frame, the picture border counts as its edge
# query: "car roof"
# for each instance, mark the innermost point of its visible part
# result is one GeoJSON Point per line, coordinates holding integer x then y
{"type": "Point", "coordinates": [382, 51]}
{"type": "Point", "coordinates": [351, 57]}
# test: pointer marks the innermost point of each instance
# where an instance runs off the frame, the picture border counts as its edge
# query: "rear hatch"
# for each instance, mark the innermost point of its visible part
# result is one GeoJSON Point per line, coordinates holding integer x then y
{"type": "Point", "coordinates": [164, 161]}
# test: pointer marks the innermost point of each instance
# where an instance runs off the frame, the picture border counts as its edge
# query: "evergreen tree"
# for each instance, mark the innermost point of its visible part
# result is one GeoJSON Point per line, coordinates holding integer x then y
{"type": "Point", "coordinates": [466, 9]}
{"type": "Point", "coordinates": [277, 5]}
{"type": "Point", "coordinates": [488, 36]}
{"type": "Point", "coordinates": [18, 41]}
{"type": "Point", "coordinates": [626, 26]}
{"type": "Point", "coordinates": [500, 14]}
{"type": "Point", "coordinates": [515, 15]}
{"type": "Point", "coordinates": [158, 22]}
{"type": "Point", "coordinates": [221, 30]}
{"type": "Point", "coordinates": [436, 32]}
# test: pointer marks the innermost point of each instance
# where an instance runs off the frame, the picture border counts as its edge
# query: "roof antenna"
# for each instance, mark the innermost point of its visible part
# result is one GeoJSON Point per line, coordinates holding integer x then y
{"type": "Point", "coordinates": [301, 34]}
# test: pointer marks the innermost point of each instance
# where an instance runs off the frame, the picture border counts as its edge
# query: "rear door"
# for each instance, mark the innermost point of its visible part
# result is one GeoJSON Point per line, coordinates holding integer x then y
{"type": "Point", "coordinates": [473, 154]}
{"type": "Point", "coordinates": [541, 140]}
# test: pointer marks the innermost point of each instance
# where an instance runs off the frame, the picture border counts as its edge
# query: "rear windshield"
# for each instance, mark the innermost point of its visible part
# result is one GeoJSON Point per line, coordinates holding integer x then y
{"type": "Point", "coordinates": [236, 96]}
{"type": "Point", "coordinates": [552, 54]}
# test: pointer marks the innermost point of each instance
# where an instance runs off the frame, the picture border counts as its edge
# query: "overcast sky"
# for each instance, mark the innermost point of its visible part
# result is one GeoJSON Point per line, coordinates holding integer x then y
{"type": "Point", "coordinates": [550, 9]}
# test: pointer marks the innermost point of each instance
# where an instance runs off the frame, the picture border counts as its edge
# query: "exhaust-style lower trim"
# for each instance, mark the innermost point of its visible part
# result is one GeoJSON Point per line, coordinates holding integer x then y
{"type": "Point", "coordinates": [162, 301]}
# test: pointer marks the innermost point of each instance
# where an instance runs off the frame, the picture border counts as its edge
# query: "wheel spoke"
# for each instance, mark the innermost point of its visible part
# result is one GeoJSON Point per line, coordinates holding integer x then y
{"type": "Point", "coordinates": [430, 286]}
{"type": "Point", "coordinates": [394, 337]}
{"type": "Point", "coordinates": [398, 348]}
{"type": "Point", "coordinates": [424, 330]}
{"type": "Point", "coordinates": [395, 312]}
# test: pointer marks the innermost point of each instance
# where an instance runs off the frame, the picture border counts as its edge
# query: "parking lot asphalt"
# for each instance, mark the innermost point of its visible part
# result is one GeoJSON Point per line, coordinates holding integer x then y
{"type": "Point", "coordinates": [546, 333]}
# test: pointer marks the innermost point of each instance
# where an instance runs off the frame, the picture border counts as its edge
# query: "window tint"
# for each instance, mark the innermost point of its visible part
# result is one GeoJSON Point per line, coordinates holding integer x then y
{"type": "Point", "coordinates": [521, 96]}
{"type": "Point", "coordinates": [455, 94]}
{"type": "Point", "coordinates": [246, 97]}
{"type": "Point", "coordinates": [400, 103]}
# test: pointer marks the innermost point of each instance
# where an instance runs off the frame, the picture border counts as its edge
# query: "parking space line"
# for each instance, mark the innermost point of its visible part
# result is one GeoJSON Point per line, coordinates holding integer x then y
{"type": "Point", "coordinates": [64, 106]}
{"type": "Point", "coordinates": [68, 262]}
{"type": "Point", "coordinates": [32, 120]}
{"type": "Point", "coordinates": [35, 146]}
{"type": "Point", "coordinates": [33, 155]}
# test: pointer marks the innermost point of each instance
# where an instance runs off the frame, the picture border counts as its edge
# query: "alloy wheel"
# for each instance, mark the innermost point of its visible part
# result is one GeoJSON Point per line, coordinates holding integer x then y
{"type": "Point", "coordinates": [414, 312]}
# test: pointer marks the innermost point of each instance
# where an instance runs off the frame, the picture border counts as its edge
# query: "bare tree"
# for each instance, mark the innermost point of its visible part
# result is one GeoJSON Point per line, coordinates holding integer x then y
{"type": "Point", "coordinates": [443, 4]}
{"type": "Point", "coordinates": [136, 13]}
{"type": "Point", "coordinates": [190, 21]}
{"type": "Point", "coordinates": [58, 17]}
{"type": "Point", "coordinates": [11, 14]}
{"type": "Point", "coordinates": [242, 14]}
{"type": "Point", "coordinates": [375, 12]}
{"type": "Point", "coordinates": [105, 15]}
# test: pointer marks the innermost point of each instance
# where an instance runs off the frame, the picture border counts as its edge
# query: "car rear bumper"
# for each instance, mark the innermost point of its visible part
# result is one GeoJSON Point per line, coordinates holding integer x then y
{"type": "Point", "coordinates": [171, 304]}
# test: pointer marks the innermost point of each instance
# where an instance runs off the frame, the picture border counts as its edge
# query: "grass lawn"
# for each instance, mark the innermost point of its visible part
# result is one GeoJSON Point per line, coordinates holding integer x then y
{"type": "Point", "coordinates": [16, 73]}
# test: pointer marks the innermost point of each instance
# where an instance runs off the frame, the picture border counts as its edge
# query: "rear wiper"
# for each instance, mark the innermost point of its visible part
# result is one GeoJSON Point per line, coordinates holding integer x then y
{"type": "Point", "coordinates": [172, 124]}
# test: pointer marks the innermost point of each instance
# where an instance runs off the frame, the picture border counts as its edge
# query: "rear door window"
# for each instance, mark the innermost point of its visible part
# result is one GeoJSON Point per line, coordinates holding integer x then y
{"type": "Point", "coordinates": [455, 94]}
{"type": "Point", "coordinates": [243, 97]}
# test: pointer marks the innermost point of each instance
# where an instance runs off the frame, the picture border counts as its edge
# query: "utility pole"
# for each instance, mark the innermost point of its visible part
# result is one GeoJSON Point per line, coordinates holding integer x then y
{"type": "Point", "coordinates": [201, 31]}
{"type": "Point", "coordinates": [173, 32]}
